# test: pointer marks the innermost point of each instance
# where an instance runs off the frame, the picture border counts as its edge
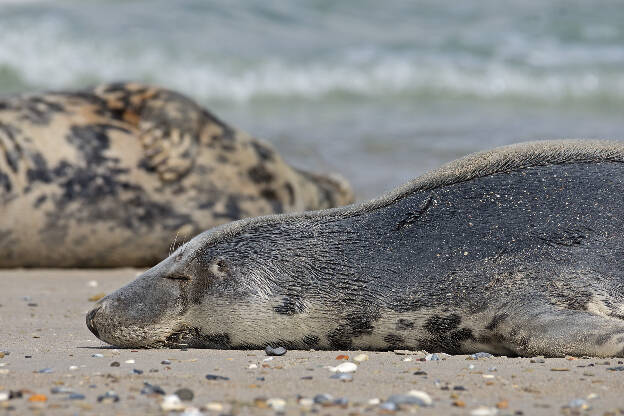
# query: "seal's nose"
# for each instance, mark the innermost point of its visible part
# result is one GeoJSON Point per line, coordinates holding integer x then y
{"type": "Point", "coordinates": [90, 320]}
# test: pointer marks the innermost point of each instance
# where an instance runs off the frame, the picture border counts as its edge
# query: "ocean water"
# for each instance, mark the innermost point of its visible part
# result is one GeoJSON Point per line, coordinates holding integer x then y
{"type": "Point", "coordinates": [377, 91]}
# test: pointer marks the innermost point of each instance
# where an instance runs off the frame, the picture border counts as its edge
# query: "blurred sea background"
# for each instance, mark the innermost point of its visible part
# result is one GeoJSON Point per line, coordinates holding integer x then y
{"type": "Point", "coordinates": [379, 91]}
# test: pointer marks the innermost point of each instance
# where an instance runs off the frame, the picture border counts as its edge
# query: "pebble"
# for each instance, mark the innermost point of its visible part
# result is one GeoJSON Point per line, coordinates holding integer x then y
{"type": "Point", "coordinates": [171, 403]}
{"type": "Point", "coordinates": [388, 406]}
{"type": "Point", "coordinates": [276, 404]}
{"type": "Point", "coordinates": [252, 366]}
{"type": "Point", "coordinates": [484, 411]}
{"type": "Point", "coordinates": [4, 396]}
{"type": "Point", "coordinates": [151, 389]}
{"type": "Point", "coordinates": [481, 355]}
{"type": "Point", "coordinates": [137, 371]}
{"type": "Point", "coordinates": [342, 376]}
{"type": "Point", "coordinates": [374, 401]}
{"type": "Point", "coordinates": [73, 367]}
{"type": "Point", "coordinates": [45, 371]}
{"type": "Point", "coordinates": [420, 373]}
{"type": "Point", "coordinates": [76, 396]}
{"type": "Point", "coordinates": [97, 355]}
{"type": "Point", "coordinates": [165, 362]}
{"type": "Point", "coordinates": [192, 411]}
{"type": "Point", "coordinates": [38, 398]}
{"type": "Point", "coordinates": [278, 351]}
{"type": "Point", "coordinates": [538, 360]}
{"type": "Point", "coordinates": [432, 357]}
{"type": "Point", "coordinates": [92, 283]}
{"type": "Point", "coordinates": [407, 359]}
{"type": "Point", "coordinates": [61, 390]}
{"type": "Point", "coordinates": [129, 361]}
{"type": "Point", "coordinates": [342, 357]}
{"type": "Point", "coordinates": [618, 368]}
{"type": "Point", "coordinates": [108, 397]}
{"type": "Point", "coordinates": [344, 368]}
{"type": "Point", "coordinates": [115, 364]}
{"type": "Point", "coordinates": [186, 395]}
{"type": "Point", "coordinates": [214, 406]}
{"type": "Point", "coordinates": [341, 401]}
{"type": "Point", "coordinates": [323, 398]}
{"type": "Point", "coordinates": [579, 404]}
{"type": "Point", "coordinates": [216, 377]}
{"type": "Point", "coordinates": [416, 397]}
{"type": "Point", "coordinates": [360, 358]}
{"type": "Point", "coordinates": [4, 371]}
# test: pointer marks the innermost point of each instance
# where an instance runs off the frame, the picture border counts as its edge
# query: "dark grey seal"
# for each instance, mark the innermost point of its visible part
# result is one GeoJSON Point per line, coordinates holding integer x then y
{"type": "Point", "coordinates": [110, 176]}
{"type": "Point", "coordinates": [514, 251]}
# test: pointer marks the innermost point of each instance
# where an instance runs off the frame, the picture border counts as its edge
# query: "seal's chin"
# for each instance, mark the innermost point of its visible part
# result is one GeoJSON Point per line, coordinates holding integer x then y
{"type": "Point", "coordinates": [192, 337]}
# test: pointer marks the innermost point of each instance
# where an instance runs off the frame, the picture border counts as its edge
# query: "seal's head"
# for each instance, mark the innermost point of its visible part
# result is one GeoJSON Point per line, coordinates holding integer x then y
{"type": "Point", "coordinates": [226, 288]}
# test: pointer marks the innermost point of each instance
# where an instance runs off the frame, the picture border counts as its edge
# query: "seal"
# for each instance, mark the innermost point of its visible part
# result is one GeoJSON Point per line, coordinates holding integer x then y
{"type": "Point", "coordinates": [110, 176]}
{"type": "Point", "coordinates": [512, 251]}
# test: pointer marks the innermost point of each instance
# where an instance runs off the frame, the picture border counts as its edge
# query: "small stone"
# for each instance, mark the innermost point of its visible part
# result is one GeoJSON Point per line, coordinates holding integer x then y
{"type": "Point", "coordinates": [432, 357]}
{"type": "Point", "coordinates": [278, 351]}
{"type": "Point", "coordinates": [617, 368]}
{"type": "Point", "coordinates": [38, 398]}
{"type": "Point", "coordinates": [92, 283]}
{"type": "Point", "coordinates": [276, 404]}
{"type": "Point", "coordinates": [214, 406]}
{"type": "Point", "coordinates": [306, 402]}
{"type": "Point", "coordinates": [73, 367]}
{"type": "Point", "coordinates": [484, 411]}
{"type": "Point", "coordinates": [2, 354]}
{"type": "Point", "coordinates": [4, 396]}
{"type": "Point", "coordinates": [33, 305]}
{"type": "Point", "coordinates": [216, 377]}
{"type": "Point", "coordinates": [420, 373]}
{"type": "Point", "coordinates": [579, 404]}
{"type": "Point", "coordinates": [307, 378]}
{"type": "Point", "coordinates": [459, 403]}
{"type": "Point", "coordinates": [97, 355]}
{"type": "Point", "coordinates": [503, 404]}
{"type": "Point", "coordinates": [342, 376]}
{"type": "Point", "coordinates": [165, 362]}
{"type": "Point", "coordinates": [76, 396]}
{"type": "Point", "coordinates": [414, 397]}
{"type": "Point", "coordinates": [481, 355]}
{"type": "Point", "coordinates": [252, 366]}
{"type": "Point", "coordinates": [459, 388]}
{"type": "Point", "coordinates": [342, 357]}
{"type": "Point", "coordinates": [61, 390]}
{"type": "Point", "coordinates": [403, 352]}
{"type": "Point", "coordinates": [360, 358]}
{"type": "Point", "coordinates": [186, 395]}
{"type": "Point", "coordinates": [171, 403]}
{"type": "Point", "coordinates": [45, 371]}
{"type": "Point", "coordinates": [537, 360]}
{"type": "Point", "coordinates": [389, 406]}
{"type": "Point", "coordinates": [151, 389]}
{"type": "Point", "coordinates": [323, 398]}
{"type": "Point", "coordinates": [4, 371]}
{"type": "Point", "coordinates": [344, 368]}
{"type": "Point", "coordinates": [341, 401]}
{"type": "Point", "coordinates": [108, 397]}
{"type": "Point", "coordinates": [115, 364]}
{"type": "Point", "coordinates": [192, 411]}
{"type": "Point", "coordinates": [15, 394]}
{"type": "Point", "coordinates": [129, 361]}
{"type": "Point", "coordinates": [559, 369]}
{"type": "Point", "coordinates": [488, 376]}
{"type": "Point", "coordinates": [137, 371]}
{"type": "Point", "coordinates": [374, 401]}
{"type": "Point", "coordinates": [407, 359]}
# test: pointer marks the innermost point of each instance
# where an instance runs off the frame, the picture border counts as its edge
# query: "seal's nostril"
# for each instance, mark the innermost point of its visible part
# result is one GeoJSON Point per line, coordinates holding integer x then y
{"type": "Point", "coordinates": [90, 319]}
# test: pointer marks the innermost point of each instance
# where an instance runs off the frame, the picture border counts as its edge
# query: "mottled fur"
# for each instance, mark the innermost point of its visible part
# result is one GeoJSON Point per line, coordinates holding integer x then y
{"type": "Point", "coordinates": [513, 251]}
{"type": "Point", "coordinates": [110, 176]}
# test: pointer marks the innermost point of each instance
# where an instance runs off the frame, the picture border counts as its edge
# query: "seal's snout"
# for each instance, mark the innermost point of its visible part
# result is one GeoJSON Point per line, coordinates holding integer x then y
{"type": "Point", "coordinates": [91, 321]}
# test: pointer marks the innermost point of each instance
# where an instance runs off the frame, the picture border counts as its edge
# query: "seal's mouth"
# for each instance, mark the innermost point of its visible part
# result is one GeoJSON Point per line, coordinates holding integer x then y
{"type": "Point", "coordinates": [191, 337]}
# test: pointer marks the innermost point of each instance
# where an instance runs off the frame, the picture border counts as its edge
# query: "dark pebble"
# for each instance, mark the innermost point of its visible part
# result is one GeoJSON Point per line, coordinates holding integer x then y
{"type": "Point", "coordinates": [323, 398]}
{"type": "Point", "coordinates": [137, 371]}
{"type": "Point", "coordinates": [153, 370]}
{"type": "Point", "coordinates": [260, 378]}
{"type": "Point", "coordinates": [152, 389]}
{"type": "Point", "coordinates": [216, 377]}
{"type": "Point", "coordinates": [459, 388]}
{"type": "Point", "coordinates": [618, 368]}
{"type": "Point", "coordinates": [115, 364]}
{"type": "Point", "coordinates": [186, 395]}
{"type": "Point", "coordinates": [109, 396]}
{"type": "Point", "coordinates": [76, 396]}
{"type": "Point", "coordinates": [307, 378]}
{"type": "Point", "coordinates": [420, 373]}
{"type": "Point", "coordinates": [165, 362]}
{"type": "Point", "coordinates": [33, 305]}
{"type": "Point", "coordinates": [45, 371]}
{"type": "Point", "coordinates": [341, 401]}
{"type": "Point", "coordinates": [28, 356]}
{"type": "Point", "coordinates": [61, 390]}
{"type": "Point", "coordinates": [275, 351]}
{"type": "Point", "coordinates": [15, 394]}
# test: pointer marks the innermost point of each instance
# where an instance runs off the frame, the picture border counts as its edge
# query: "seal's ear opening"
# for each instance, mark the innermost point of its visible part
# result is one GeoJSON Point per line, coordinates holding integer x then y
{"type": "Point", "coordinates": [220, 268]}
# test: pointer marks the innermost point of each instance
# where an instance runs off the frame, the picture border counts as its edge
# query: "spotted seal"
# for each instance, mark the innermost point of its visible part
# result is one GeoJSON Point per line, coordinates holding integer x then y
{"type": "Point", "coordinates": [111, 176]}
{"type": "Point", "coordinates": [512, 251]}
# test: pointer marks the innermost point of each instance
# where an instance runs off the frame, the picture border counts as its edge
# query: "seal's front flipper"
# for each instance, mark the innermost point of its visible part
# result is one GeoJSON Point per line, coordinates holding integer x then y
{"type": "Point", "coordinates": [555, 332]}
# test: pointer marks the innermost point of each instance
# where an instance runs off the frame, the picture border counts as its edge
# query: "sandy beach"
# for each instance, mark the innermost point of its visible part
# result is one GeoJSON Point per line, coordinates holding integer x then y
{"type": "Point", "coordinates": [57, 366]}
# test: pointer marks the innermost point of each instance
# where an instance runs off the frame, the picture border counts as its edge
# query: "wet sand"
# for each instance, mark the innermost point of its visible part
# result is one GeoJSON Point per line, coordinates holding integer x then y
{"type": "Point", "coordinates": [42, 327]}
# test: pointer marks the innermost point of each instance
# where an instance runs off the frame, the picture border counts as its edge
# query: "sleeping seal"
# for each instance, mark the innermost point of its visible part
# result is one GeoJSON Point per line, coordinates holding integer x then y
{"type": "Point", "coordinates": [109, 177]}
{"type": "Point", "coordinates": [513, 251]}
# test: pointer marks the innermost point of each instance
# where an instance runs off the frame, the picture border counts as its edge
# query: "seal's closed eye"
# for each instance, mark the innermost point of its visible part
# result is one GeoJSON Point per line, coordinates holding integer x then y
{"type": "Point", "coordinates": [177, 276]}
{"type": "Point", "coordinates": [220, 268]}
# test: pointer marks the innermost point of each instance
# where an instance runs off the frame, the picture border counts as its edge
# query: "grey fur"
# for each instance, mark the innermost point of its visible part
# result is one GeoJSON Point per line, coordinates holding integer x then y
{"type": "Point", "coordinates": [513, 251]}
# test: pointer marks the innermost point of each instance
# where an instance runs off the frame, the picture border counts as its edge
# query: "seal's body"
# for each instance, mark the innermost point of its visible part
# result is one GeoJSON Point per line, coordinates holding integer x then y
{"type": "Point", "coordinates": [110, 176]}
{"type": "Point", "coordinates": [513, 251]}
